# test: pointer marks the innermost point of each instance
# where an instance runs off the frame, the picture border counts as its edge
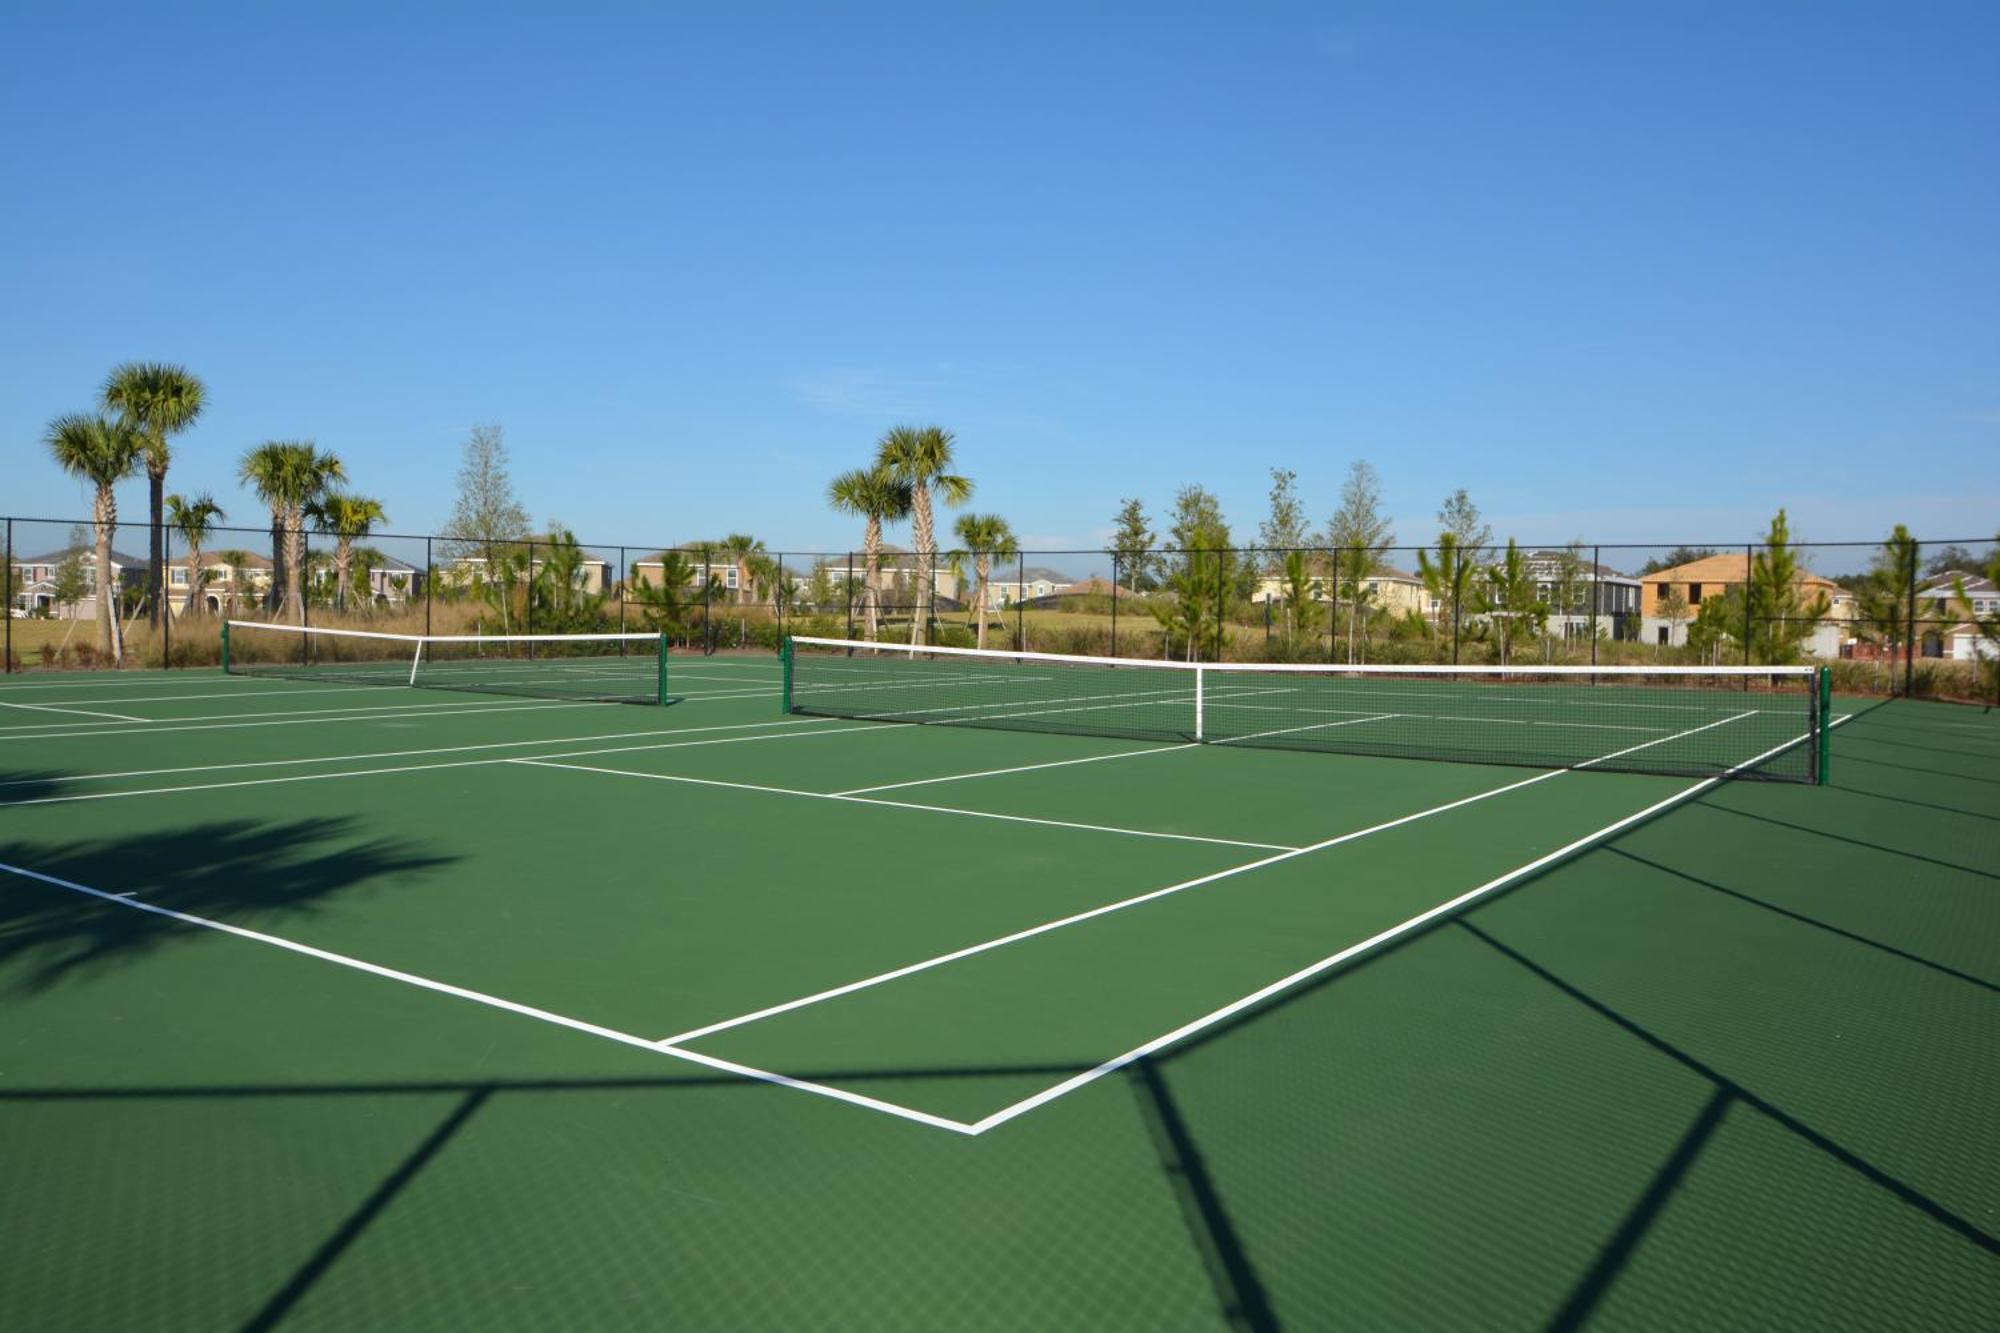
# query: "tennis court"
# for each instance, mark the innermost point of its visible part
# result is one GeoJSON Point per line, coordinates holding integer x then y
{"type": "Point", "coordinates": [334, 1003]}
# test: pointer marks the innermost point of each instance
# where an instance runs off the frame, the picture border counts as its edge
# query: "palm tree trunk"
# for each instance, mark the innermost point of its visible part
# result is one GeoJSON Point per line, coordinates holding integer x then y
{"type": "Point", "coordinates": [924, 538]}
{"type": "Point", "coordinates": [871, 569]}
{"type": "Point", "coordinates": [343, 567]}
{"type": "Point", "coordinates": [156, 560]}
{"type": "Point", "coordinates": [278, 581]}
{"type": "Point", "coordinates": [983, 567]}
{"type": "Point", "coordinates": [105, 520]}
{"type": "Point", "coordinates": [295, 556]}
{"type": "Point", "coordinates": [194, 576]}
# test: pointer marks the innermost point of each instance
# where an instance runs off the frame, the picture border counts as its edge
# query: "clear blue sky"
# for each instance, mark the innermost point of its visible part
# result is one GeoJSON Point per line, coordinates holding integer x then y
{"type": "Point", "coordinates": [1639, 271]}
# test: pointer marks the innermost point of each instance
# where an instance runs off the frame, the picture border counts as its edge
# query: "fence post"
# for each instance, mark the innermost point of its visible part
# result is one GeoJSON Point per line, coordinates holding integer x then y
{"type": "Point", "coordinates": [1596, 595]}
{"type": "Point", "coordinates": [1219, 611]}
{"type": "Point", "coordinates": [1333, 612]}
{"type": "Point", "coordinates": [303, 574]}
{"type": "Point", "coordinates": [430, 574]}
{"type": "Point", "coordinates": [7, 652]}
{"type": "Point", "coordinates": [1749, 615]}
{"type": "Point", "coordinates": [1114, 603]}
{"type": "Point", "coordinates": [847, 586]}
{"type": "Point", "coordinates": [1910, 641]}
{"type": "Point", "coordinates": [166, 609]}
{"type": "Point", "coordinates": [1020, 601]}
{"type": "Point", "coordinates": [707, 604]}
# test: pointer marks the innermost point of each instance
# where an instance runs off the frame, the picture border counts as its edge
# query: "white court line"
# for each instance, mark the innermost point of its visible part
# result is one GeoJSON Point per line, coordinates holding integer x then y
{"type": "Point", "coordinates": [1288, 855]}
{"type": "Point", "coordinates": [57, 708]}
{"type": "Point", "coordinates": [420, 705]}
{"type": "Point", "coordinates": [417, 768]}
{"type": "Point", "coordinates": [1099, 758]}
{"type": "Point", "coordinates": [548, 761]}
{"type": "Point", "coordinates": [403, 754]}
{"type": "Point", "coordinates": [1311, 970]}
{"type": "Point", "coordinates": [495, 1002]}
{"type": "Point", "coordinates": [168, 727]}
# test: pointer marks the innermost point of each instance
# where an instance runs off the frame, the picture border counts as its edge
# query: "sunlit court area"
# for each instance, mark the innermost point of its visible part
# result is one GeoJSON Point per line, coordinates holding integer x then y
{"type": "Point", "coordinates": [874, 667]}
{"type": "Point", "coordinates": [864, 961]}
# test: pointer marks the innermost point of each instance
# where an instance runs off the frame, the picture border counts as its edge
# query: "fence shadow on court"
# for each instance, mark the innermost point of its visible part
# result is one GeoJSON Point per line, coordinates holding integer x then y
{"type": "Point", "coordinates": [248, 872]}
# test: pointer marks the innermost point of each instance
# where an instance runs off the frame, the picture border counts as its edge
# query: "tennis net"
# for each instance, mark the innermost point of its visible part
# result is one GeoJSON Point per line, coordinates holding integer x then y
{"type": "Point", "coordinates": [609, 668]}
{"type": "Point", "coordinates": [1767, 722]}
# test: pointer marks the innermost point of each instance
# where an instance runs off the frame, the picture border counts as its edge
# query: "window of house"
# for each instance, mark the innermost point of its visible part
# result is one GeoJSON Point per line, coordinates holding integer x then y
{"type": "Point", "coordinates": [178, 577]}
{"type": "Point", "coordinates": [1664, 632]}
{"type": "Point", "coordinates": [729, 578]}
{"type": "Point", "coordinates": [1694, 594]}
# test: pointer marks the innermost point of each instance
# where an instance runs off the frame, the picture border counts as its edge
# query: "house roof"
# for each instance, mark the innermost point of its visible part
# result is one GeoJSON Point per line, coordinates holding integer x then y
{"type": "Point", "coordinates": [118, 557]}
{"type": "Point", "coordinates": [1589, 569]}
{"type": "Point", "coordinates": [1729, 568]}
{"type": "Point", "coordinates": [1948, 581]}
{"type": "Point", "coordinates": [210, 559]}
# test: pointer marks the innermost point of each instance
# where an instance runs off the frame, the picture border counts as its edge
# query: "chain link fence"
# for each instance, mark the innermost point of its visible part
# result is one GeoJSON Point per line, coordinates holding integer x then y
{"type": "Point", "coordinates": [1903, 616]}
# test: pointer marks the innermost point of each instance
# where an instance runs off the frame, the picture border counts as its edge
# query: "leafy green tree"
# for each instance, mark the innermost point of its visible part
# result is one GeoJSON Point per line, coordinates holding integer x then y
{"type": "Point", "coordinates": [1986, 624]}
{"type": "Point", "coordinates": [1717, 630]}
{"type": "Point", "coordinates": [1359, 535]}
{"type": "Point", "coordinates": [71, 583]}
{"type": "Point", "coordinates": [349, 518]}
{"type": "Point", "coordinates": [1203, 575]}
{"type": "Point", "coordinates": [1448, 576]}
{"type": "Point", "coordinates": [1672, 607]}
{"type": "Point", "coordinates": [193, 519]}
{"type": "Point", "coordinates": [1459, 516]}
{"type": "Point", "coordinates": [1509, 596]}
{"type": "Point", "coordinates": [921, 458]}
{"type": "Point", "coordinates": [1132, 546]}
{"type": "Point", "coordinates": [157, 401]}
{"type": "Point", "coordinates": [486, 513]}
{"type": "Point", "coordinates": [876, 495]}
{"type": "Point", "coordinates": [102, 452]}
{"type": "Point", "coordinates": [667, 606]}
{"type": "Point", "coordinates": [1782, 617]}
{"type": "Point", "coordinates": [1299, 592]}
{"type": "Point", "coordinates": [1285, 528]}
{"type": "Point", "coordinates": [1882, 595]}
{"type": "Point", "coordinates": [1951, 557]}
{"type": "Point", "coordinates": [288, 475]}
{"type": "Point", "coordinates": [987, 538]}
{"type": "Point", "coordinates": [560, 598]}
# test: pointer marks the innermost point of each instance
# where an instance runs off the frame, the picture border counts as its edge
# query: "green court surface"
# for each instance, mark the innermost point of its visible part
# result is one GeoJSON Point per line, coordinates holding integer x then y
{"type": "Point", "coordinates": [368, 1007]}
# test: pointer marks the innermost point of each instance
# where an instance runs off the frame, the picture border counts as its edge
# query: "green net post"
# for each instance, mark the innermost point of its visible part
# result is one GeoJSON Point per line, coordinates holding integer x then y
{"type": "Point", "coordinates": [786, 657]}
{"type": "Point", "coordinates": [1822, 741]}
{"type": "Point", "coordinates": [662, 649]}
{"type": "Point", "coordinates": [225, 646]}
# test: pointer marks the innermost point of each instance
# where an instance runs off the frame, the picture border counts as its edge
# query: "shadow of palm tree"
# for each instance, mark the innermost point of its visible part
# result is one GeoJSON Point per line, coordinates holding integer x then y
{"type": "Point", "coordinates": [245, 871]}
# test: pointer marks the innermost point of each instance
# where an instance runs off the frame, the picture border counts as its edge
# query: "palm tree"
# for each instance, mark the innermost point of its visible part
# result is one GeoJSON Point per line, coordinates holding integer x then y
{"type": "Point", "coordinates": [103, 453]}
{"type": "Point", "coordinates": [156, 400]}
{"type": "Point", "coordinates": [288, 475]}
{"type": "Point", "coordinates": [920, 457]}
{"type": "Point", "coordinates": [238, 563]}
{"type": "Point", "coordinates": [741, 548]}
{"type": "Point", "coordinates": [192, 519]}
{"type": "Point", "coordinates": [347, 517]}
{"type": "Point", "coordinates": [877, 496]}
{"type": "Point", "coordinates": [988, 538]}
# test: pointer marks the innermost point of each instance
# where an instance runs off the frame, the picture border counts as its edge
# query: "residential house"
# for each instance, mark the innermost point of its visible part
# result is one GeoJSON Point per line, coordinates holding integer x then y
{"type": "Point", "coordinates": [1715, 576]}
{"type": "Point", "coordinates": [1008, 584]}
{"type": "Point", "coordinates": [899, 573]}
{"type": "Point", "coordinates": [34, 582]}
{"type": "Point", "coordinates": [1583, 596]}
{"type": "Point", "coordinates": [1938, 601]}
{"type": "Point", "coordinates": [593, 574]}
{"type": "Point", "coordinates": [220, 590]}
